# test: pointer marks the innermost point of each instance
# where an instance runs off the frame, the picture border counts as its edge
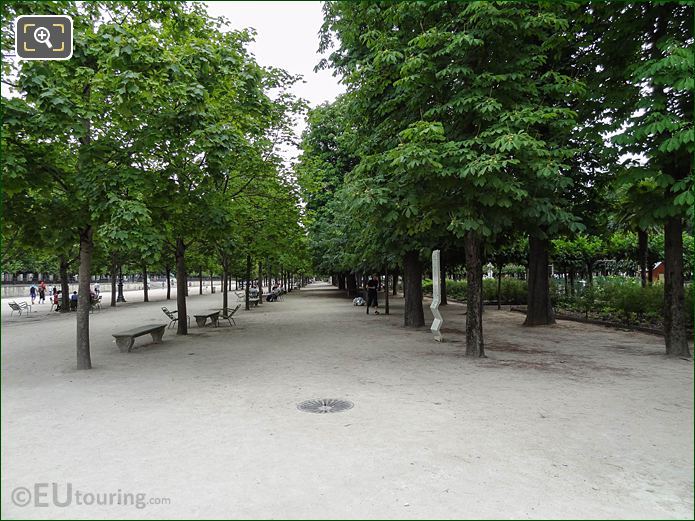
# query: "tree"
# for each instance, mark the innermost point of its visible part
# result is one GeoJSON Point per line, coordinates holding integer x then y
{"type": "Point", "coordinates": [659, 128]}
{"type": "Point", "coordinates": [475, 115]}
{"type": "Point", "coordinates": [82, 105]}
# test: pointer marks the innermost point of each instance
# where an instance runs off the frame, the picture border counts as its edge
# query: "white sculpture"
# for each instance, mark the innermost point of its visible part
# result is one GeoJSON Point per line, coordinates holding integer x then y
{"type": "Point", "coordinates": [436, 297]}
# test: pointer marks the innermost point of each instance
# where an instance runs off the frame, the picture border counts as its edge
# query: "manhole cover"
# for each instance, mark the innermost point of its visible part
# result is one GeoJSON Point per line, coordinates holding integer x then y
{"type": "Point", "coordinates": [325, 405]}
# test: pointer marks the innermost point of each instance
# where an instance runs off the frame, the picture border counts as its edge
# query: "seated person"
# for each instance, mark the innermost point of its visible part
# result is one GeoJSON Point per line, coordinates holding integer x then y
{"type": "Point", "coordinates": [253, 292]}
{"type": "Point", "coordinates": [273, 295]}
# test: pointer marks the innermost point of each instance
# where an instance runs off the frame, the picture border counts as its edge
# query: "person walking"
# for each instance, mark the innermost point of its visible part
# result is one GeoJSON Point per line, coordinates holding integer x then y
{"type": "Point", "coordinates": [32, 293]}
{"type": "Point", "coordinates": [372, 289]}
{"type": "Point", "coordinates": [42, 292]}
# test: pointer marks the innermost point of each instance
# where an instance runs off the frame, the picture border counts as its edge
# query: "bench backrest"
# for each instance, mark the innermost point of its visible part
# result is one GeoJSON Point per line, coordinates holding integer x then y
{"type": "Point", "coordinates": [230, 313]}
{"type": "Point", "coordinates": [15, 306]}
{"type": "Point", "coordinates": [168, 313]}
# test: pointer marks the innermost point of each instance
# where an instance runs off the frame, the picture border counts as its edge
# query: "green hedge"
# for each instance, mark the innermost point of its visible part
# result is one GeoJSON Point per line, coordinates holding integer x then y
{"type": "Point", "coordinates": [513, 291]}
{"type": "Point", "coordinates": [608, 295]}
{"type": "Point", "coordinates": [623, 296]}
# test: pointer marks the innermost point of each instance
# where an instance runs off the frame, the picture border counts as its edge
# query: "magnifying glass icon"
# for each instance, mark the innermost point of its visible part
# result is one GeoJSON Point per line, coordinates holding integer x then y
{"type": "Point", "coordinates": [43, 35]}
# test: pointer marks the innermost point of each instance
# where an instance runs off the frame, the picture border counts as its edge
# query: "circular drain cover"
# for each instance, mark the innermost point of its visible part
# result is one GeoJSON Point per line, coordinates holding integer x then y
{"type": "Point", "coordinates": [325, 405]}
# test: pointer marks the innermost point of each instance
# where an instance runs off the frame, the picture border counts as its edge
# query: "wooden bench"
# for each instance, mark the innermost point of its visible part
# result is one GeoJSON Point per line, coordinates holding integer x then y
{"type": "Point", "coordinates": [125, 340]}
{"type": "Point", "coordinates": [202, 319]}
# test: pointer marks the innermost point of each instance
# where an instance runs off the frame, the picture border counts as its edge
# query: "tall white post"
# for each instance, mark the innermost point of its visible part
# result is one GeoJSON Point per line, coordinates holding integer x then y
{"type": "Point", "coordinates": [436, 297]}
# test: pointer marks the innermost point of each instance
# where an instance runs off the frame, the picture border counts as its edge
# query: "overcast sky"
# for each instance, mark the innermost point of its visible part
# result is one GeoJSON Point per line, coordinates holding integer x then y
{"type": "Point", "coordinates": [286, 37]}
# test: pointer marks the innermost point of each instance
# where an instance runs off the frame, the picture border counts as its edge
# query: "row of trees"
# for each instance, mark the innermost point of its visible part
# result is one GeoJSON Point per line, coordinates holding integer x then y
{"type": "Point", "coordinates": [470, 127]}
{"type": "Point", "coordinates": [155, 145]}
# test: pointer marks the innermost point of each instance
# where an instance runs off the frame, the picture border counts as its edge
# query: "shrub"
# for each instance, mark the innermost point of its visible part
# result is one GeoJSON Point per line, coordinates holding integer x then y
{"type": "Point", "coordinates": [613, 295]}
{"type": "Point", "coordinates": [513, 291]}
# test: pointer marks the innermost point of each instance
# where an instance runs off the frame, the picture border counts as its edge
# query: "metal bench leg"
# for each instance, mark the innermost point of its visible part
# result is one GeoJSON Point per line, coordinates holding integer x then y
{"type": "Point", "coordinates": [125, 343]}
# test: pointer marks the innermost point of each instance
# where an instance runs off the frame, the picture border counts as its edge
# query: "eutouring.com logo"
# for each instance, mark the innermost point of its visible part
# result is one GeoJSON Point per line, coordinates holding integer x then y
{"type": "Point", "coordinates": [65, 495]}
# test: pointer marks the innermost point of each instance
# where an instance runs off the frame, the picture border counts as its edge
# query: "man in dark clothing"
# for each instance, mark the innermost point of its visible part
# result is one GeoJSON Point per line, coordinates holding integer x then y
{"type": "Point", "coordinates": [372, 288]}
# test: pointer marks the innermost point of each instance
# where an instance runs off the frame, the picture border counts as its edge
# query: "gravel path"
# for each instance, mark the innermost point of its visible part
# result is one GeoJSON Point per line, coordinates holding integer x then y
{"type": "Point", "coordinates": [566, 421]}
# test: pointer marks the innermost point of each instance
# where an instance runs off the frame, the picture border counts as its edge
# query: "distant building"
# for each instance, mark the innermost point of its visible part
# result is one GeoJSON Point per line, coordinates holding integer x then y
{"type": "Point", "coordinates": [658, 271]}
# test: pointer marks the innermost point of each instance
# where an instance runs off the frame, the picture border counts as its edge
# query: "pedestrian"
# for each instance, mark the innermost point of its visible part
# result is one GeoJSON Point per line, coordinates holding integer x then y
{"type": "Point", "coordinates": [372, 288]}
{"type": "Point", "coordinates": [42, 292]}
{"type": "Point", "coordinates": [73, 301]}
{"type": "Point", "coordinates": [32, 293]}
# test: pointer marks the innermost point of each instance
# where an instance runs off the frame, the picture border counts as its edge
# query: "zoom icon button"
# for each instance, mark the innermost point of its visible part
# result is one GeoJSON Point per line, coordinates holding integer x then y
{"type": "Point", "coordinates": [43, 37]}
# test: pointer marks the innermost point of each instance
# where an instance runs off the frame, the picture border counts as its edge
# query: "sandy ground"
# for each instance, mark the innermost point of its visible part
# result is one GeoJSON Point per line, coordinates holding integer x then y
{"type": "Point", "coordinates": [568, 421]}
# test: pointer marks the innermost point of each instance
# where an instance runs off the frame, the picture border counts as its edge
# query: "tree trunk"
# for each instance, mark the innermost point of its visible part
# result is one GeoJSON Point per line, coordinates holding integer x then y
{"type": "Point", "coordinates": [200, 281]}
{"type": "Point", "coordinates": [474, 296]}
{"type": "Point", "coordinates": [351, 284]}
{"type": "Point", "coordinates": [499, 287]}
{"type": "Point", "coordinates": [395, 282]}
{"type": "Point", "coordinates": [590, 272]}
{"type": "Point", "coordinates": [181, 286]}
{"type": "Point", "coordinates": [84, 360]}
{"type": "Point", "coordinates": [114, 270]}
{"type": "Point", "coordinates": [572, 282]}
{"type": "Point", "coordinates": [64, 286]}
{"type": "Point", "coordinates": [539, 309]}
{"type": "Point", "coordinates": [442, 280]}
{"type": "Point", "coordinates": [412, 290]}
{"type": "Point", "coordinates": [168, 270]}
{"type": "Point", "coordinates": [144, 283]}
{"type": "Point", "coordinates": [386, 292]}
{"type": "Point", "coordinates": [260, 283]}
{"type": "Point", "coordinates": [248, 279]}
{"type": "Point", "coordinates": [225, 296]}
{"type": "Point", "coordinates": [674, 296]}
{"type": "Point", "coordinates": [643, 254]}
